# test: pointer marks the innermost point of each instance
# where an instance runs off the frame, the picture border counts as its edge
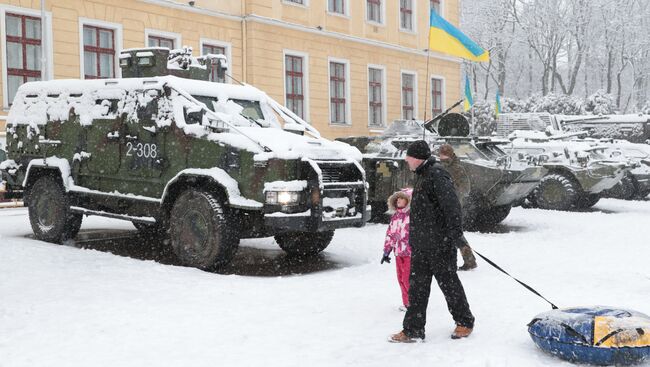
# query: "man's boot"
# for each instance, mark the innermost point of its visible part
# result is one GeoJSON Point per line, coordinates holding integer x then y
{"type": "Point", "coordinates": [469, 261]}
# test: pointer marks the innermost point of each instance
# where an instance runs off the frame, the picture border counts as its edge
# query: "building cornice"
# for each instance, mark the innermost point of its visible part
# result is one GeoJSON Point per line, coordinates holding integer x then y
{"type": "Point", "coordinates": [299, 27]}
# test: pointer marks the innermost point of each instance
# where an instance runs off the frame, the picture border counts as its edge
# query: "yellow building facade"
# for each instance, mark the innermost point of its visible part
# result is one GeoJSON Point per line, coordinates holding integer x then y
{"type": "Point", "coordinates": [349, 67]}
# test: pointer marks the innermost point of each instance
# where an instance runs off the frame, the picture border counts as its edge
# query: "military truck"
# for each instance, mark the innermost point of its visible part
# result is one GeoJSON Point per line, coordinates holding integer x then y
{"type": "Point", "coordinates": [497, 182]}
{"type": "Point", "coordinates": [205, 163]}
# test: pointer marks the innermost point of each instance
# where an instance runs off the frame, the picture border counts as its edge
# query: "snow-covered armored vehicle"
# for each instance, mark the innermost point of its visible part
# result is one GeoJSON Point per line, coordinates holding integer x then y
{"type": "Point", "coordinates": [579, 170]}
{"type": "Point", "coordinates": [634, 128]}
{"type": "Point", "coordinates": [206, 163]}
{"type": "Point", "coordinates": [497, 182]}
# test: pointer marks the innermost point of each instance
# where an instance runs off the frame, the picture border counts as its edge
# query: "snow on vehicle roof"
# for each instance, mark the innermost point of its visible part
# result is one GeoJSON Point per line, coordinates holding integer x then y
{"type": "Point", "coordinates": [36, 103]}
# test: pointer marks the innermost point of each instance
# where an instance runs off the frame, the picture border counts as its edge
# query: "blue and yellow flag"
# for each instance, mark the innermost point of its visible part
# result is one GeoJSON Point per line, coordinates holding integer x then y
{"type": "Point", "coordinates": [469, 101]}
{"type": "Point", "coordinates": [497, 106]}
{"type": "Point", "coordinates": [446, 38]}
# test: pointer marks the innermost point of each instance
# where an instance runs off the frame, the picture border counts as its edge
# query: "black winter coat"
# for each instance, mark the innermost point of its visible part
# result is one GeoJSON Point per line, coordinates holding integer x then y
{"type": "Point", "coordinates": [436, 217]}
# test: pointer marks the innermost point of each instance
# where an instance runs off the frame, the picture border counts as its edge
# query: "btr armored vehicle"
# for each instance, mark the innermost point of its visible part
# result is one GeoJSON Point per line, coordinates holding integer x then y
{"type": "Point", "coordinates": [579, 170]}
{"type": "Point", "coordinates": [206, 163]}
{"type": "Point", "coordinates": [497, 182]}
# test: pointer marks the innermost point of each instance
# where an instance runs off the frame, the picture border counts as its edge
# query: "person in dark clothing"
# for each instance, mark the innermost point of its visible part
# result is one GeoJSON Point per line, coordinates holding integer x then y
{"type": "Point", "coordinates": [452, 164]}
{"type": "Point", "coordinates": [435, 232]}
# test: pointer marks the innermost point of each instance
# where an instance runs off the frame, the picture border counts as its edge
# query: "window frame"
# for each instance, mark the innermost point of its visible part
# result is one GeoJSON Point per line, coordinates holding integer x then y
{"type": "Point", "coordinates": [414, 74]}
{"type": "Point", "coordinates": [305, 3]}
{"type": "Point", "coordinates": [383, 89]}
{"type": "Point", "coordinates": [443, 85]}
{"type": "Point", "coordinates": [346, 9]}
{"type": "Point", "coordinates": [228, 48]}
{"type": "Point", "coordinates": [47, 50]}
{"type": "Point", "coordinates": [441, 5]}
{"type": "Point", "coordinates": [414, 17]}
{"type": "Point", "coordinates": [148, 32]}
{"type": "Point", "coordinates": [117, 44]}
{"type": "Point", "coordinates": [100, 50]}
{"type": "Point", "coordinates": [348, 104]}
{"type": "Point", "coordinates": [382, 13]}
{"type": "Point", "coordinates": [305, 80]}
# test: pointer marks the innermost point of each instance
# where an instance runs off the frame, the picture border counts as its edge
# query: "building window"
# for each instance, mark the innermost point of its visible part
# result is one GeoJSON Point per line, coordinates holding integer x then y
{"type": "Point", "coordinates": [373, 9]}
{"type": "Point", "coordinates": [436, 96]}
{"type": "Point", "coordinates": [158, 41]}
{"type": "Point", "coordinates": [375, 97]}
{"type": "Point", "coordinates": [408, 99]}
{"type": "Point", "coordinates": [99, 52]}
{"type": "Point", "coordinates": [406, 14]}
{"type": "Point", "coordinates": [294, 84]}
{"type": "Point", "coordinates": [215, 50]}
{"type": "Point", "coordinates": [336, 6]}
{"type": "Point", "coordinates": [23, 36]}
{"type": "Point", "coordinates": [435, 5]}
{"type": "Point", "coordinates": [338, 111]}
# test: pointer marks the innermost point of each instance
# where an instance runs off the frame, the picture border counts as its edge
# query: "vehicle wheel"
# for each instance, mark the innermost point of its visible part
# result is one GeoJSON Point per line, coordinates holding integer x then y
{"type": "Point", "coordinates": [493, 216]}
{"type": "Point", "coordinates": [626, 189]}
{"type": "Point", "coordinates": [304, 243]}
{"type": "Point", "coordinates": [201, 232]}
{"type": "Point", "coordinates": [587, 200]}
{"type": "Point", "coordinates": [49, 211]}
{"type": "Point", "coordinates": [557, 192]}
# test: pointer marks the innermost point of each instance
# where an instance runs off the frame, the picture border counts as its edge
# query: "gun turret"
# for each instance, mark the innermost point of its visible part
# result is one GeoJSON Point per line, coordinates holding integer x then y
{"type": "Point", "coordinates": [161, 61]}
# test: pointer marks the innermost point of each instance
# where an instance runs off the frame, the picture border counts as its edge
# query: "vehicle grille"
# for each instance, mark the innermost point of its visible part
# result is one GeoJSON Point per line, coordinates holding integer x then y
{"type": "Point", "coordinates": [331, 173]}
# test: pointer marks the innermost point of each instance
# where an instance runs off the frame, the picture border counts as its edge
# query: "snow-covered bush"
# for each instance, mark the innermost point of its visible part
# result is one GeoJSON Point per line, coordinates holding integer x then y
{"type": "Point", "coordinates": [600, 103]}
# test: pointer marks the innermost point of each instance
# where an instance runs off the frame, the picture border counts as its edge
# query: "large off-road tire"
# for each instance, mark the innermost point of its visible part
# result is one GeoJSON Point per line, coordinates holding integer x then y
{"type": "Point", "coordinates": [49, 211]}
{"type": "Point", "coordinates": [587, 200]}
{"type": "Point", "coordinates": [201, 231]}
{"type": "Point", "coordinates": [557, 192]}
{"type": "Point", "coordinates": [304, 243]}
{"type": "Point", "coordinates": [492, 216]}
{"type": "Point", "coordinates": [626, 189]}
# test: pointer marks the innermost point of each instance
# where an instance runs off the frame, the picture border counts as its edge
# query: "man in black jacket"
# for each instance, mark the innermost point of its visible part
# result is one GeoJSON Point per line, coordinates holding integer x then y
{"type": "Point", "coordinates": [435, 231]}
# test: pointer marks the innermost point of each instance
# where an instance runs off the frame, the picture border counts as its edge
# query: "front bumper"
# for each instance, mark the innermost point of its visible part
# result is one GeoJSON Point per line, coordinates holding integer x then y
{"type": "Point", "coordinates": [313, 221]}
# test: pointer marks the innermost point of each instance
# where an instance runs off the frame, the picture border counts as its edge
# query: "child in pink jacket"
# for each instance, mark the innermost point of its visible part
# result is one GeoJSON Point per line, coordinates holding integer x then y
{"type": "Point", "coordinates": [397, 240]}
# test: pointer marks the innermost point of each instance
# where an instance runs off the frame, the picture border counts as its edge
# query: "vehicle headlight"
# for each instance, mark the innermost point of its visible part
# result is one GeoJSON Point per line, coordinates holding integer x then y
{"type": "Point", "coordinates": [283, 197]}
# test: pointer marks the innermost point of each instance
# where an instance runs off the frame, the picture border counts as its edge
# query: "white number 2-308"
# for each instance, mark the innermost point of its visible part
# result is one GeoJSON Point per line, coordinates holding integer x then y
{"type": "Point", "coordinates": [140, 150]}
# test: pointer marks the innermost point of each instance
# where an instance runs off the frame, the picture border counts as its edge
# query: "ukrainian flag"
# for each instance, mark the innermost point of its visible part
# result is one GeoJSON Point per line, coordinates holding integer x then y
{"type": "Point", "coordinates": [469, 101]}
{"type": "Point", "coordinates": [497, 106]}
{"type": "Point", "coordinates": [446, 38]}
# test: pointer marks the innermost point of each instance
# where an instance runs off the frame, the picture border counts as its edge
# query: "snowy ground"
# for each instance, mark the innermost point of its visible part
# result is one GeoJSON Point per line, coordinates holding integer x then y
{"type": "Point", "coordinates": [119, 302]}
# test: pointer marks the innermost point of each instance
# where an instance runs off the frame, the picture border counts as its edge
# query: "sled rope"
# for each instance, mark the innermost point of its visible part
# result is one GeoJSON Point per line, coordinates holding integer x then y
{"type": "Point", "coordinates": [517, 280]}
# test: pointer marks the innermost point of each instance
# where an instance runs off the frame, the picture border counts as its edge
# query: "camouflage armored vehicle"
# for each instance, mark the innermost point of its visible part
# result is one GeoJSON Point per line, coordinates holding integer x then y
{"type": "Point", "coordinates": [207, 163]}
{"type": "Point", "coordinates": [497, 182]}
{"type": "Point", "coordinates": [580, 170]}
{"type": "Point", "coordinates": [635, 184]}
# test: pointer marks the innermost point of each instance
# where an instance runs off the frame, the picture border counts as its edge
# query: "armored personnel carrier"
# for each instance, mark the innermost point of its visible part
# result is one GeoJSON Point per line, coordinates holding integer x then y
{"type": "Point", "coordinates": [205, 163]}
{"type": "Point", "coordinates": [497, 181]}
{"type": "Point", "coordinates": [580, 170]}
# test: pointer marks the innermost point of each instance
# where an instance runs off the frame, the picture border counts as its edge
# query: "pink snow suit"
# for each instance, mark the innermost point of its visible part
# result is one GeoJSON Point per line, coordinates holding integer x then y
{"type": "Point", "coordinates": [397, 240]}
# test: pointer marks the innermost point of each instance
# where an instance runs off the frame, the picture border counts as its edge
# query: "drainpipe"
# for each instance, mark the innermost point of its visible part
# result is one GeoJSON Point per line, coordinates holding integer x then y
{"type": "Point", "coordinates": [244, 43]}
{"type": "Point", "coordinates": [44, 75]}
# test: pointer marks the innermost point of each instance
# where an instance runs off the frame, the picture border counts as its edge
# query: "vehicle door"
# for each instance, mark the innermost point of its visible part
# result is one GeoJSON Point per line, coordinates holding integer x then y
{"type": "Point", "coordinates": [99, 158]}
{"type": "Point", "coordinates": [143, 156]}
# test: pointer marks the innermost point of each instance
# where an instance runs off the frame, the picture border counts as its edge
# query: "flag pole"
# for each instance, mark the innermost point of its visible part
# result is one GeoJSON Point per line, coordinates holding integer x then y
{"type": "Point", "coordinates": [428, 81]}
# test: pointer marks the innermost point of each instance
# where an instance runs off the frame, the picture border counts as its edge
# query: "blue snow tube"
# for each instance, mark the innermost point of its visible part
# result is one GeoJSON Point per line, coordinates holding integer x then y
{"type": "Point", "coordinates": [595, 335]}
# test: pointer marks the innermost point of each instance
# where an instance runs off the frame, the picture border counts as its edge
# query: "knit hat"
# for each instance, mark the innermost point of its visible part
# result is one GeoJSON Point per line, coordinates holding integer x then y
{"type": "Point", "coordinates": [419, 150]}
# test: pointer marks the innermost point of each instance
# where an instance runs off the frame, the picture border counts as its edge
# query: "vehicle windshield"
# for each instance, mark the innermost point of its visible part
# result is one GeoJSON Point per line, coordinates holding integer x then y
{"type": "Point", "coordinates": [251, 109]}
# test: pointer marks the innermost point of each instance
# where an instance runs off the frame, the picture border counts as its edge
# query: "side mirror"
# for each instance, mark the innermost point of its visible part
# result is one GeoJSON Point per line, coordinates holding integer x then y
{"type": "Point", "coordinates": [193, 116]}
